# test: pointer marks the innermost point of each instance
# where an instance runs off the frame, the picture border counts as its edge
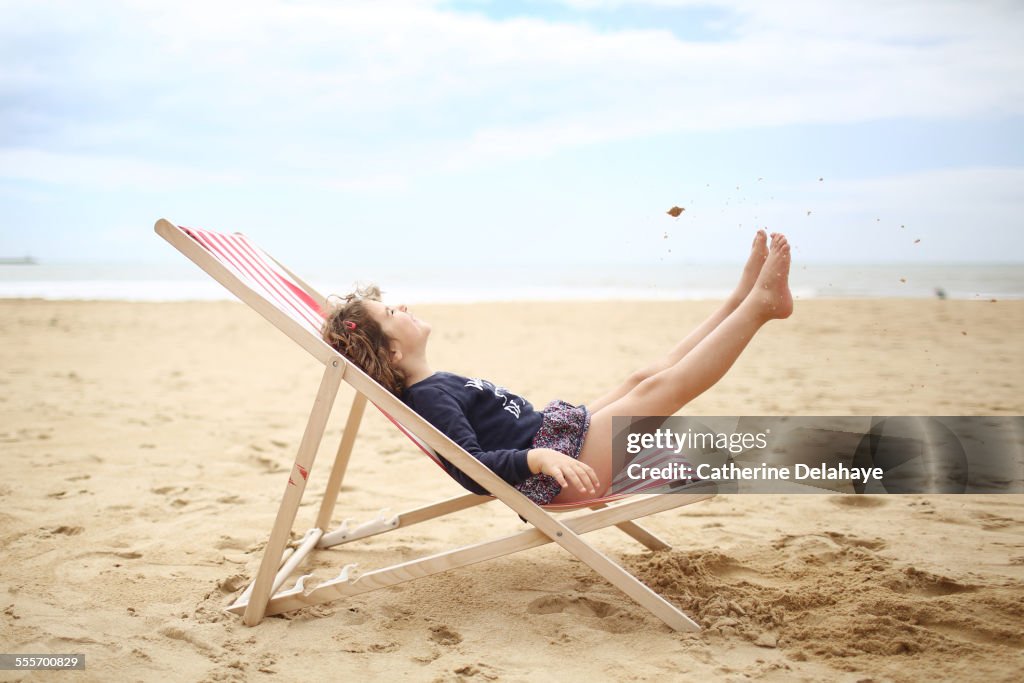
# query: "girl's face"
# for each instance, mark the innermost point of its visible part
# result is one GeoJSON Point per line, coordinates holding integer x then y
{"type": "Point", "coordinates": [407, 331]}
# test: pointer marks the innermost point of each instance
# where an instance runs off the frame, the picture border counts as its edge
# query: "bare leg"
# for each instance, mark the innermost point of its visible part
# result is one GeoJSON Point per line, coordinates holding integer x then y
{"type": "Point", "coordinates": [758, 254]}
{"type": "Point", "coordinates": [669, 390]}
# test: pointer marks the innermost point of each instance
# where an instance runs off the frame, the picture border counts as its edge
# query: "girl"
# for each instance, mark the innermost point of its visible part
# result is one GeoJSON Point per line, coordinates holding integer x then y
{"type": "Point", "coordinates": [562, 453]}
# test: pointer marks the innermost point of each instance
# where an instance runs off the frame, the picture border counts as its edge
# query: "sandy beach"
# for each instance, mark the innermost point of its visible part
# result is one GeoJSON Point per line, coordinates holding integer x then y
{"type": "Point", "coordinates": [146, 447]}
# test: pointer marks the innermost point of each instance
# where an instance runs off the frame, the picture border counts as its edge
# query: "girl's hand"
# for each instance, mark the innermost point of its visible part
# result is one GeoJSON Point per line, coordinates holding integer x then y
{"type": "Point", "coordinates": [564, 469]}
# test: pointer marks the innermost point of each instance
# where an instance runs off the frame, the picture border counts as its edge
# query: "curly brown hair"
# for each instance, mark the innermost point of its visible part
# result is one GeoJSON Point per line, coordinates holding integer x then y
{"type": "Point", "coordinates": [350, 330]}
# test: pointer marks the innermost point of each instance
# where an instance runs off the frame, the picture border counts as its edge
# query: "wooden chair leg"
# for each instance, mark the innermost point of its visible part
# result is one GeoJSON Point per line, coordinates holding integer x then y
{"type": "Point", "coordinates": [293, 491]}
{"type": "Point", "coordinates": [635, 531]}
{"type": "Point", "coordinates": [649, 540]}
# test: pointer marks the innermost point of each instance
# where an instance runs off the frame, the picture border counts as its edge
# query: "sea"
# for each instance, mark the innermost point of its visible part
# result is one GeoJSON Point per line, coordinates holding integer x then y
{"type": "Point", "coordinates": [185, 282]}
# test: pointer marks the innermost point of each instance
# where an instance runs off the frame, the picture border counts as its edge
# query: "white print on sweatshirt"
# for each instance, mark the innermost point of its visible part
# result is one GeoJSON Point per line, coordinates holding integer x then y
{"type": "Point", "coordinates": [508, 401]}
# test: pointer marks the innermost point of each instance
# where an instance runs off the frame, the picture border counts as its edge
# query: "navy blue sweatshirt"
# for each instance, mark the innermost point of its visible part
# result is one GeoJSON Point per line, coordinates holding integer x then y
{"type": "Point", "coordinates": [492, 424]}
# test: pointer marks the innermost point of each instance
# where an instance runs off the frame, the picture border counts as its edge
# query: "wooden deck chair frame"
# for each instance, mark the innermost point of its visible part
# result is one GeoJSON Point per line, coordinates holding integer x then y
{"type": "Point", "coordinates": [279, 560]}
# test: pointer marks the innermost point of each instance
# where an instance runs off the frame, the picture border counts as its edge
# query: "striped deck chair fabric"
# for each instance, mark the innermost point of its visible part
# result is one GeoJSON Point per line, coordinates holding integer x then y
{"type": "Point", "coordinates": [259, 271]}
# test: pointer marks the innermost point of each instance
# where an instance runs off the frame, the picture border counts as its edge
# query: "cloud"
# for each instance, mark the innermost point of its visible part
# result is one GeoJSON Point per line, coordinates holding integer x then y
{"type": "Point", "coordinates": [350, 90]}
{"type": "Point", "coordinates": [102, 171]}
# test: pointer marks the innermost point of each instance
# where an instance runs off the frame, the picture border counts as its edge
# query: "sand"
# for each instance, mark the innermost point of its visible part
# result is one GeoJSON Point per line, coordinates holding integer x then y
{"type": "Point", "coordinates": [145, 447]}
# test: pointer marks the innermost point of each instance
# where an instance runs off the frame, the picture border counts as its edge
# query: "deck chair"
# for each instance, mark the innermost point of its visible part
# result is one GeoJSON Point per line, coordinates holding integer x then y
{"type": "Point", "coordinates": [295, 308]}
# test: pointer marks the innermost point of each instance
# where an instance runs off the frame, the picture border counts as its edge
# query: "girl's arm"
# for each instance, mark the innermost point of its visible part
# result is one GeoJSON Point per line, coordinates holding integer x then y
{"type": "Point", "coordinates": [564, 469]}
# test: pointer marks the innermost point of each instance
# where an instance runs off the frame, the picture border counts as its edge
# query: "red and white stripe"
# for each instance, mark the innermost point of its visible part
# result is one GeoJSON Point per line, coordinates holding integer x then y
{"type": "Point", "coordinates": [257, 270]}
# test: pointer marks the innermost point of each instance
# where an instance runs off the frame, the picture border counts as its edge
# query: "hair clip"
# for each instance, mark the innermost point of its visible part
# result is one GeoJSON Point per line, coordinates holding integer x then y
{"type": "Point", "coordinates": [349, 325]}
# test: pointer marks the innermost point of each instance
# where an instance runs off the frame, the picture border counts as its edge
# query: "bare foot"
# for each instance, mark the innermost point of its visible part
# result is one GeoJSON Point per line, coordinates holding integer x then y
{"type": "Point", "coordinates": [758, 253]}
{"type": "Point", "coordinates": [771, 291]}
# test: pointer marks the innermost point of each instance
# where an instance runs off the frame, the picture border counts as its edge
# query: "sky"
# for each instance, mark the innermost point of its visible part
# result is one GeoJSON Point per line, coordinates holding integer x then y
{"type": "Point", "coordinates": [434, 132]}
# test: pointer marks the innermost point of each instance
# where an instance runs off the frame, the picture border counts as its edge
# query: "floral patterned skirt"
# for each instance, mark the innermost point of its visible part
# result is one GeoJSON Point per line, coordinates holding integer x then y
{"type": "Point", "coordinates": [562, 429]}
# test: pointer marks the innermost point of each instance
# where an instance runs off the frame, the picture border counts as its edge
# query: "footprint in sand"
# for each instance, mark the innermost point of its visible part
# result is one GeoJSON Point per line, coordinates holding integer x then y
{"type": "Point", "coordinates": [856, 541]}
{"type": "Point", "coordinates": [176, 491]}
{"type": "Point", "coordinates": [571, 605]}
{"type": "Point", "coordinates": [917, 582]}
{"type": "Point", "coordinates": [233, 583]}
{"type": "Point", "coordinates": [827, 545]}
{"type": "Point", "coordinates": [390, 646]}
{"type": "Point", "coordinates": [479, 669]}
{"type": "Point", "coordinates": [442, 635]}
{"type": "Point", "coordinates": [232, 543]}
{"type": "Point", "coordinates": [268, 464]}
{"type": "Point", "coordinates": [990, 522]}
{"type": "Point", "coordinates": [166, 490]}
